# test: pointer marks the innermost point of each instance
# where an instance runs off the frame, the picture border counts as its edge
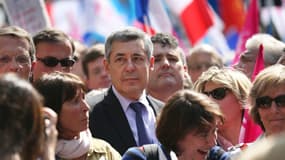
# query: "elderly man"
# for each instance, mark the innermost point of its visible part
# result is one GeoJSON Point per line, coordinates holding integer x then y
{"type": "Point", "coordinates": [54, 52]}
{"type": "Point", "coordinates": [17, 51]}
{"type": "Point", "coordinates": [273, 50]}
{"type": "Point", "coordinates": [125, 117]}
{"type": "Point", "coordinates": [201, 58]}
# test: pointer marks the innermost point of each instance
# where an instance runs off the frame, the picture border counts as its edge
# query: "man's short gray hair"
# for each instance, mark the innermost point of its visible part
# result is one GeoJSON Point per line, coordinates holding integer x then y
{"type": "Point", "coordinates": [126, 35]}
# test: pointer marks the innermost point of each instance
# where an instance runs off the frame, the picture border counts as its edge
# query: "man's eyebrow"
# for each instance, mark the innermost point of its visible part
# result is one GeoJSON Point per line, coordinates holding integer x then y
{"type": "Point", "coordinates": [119, 54]}
{"type": "Point", "coordinates": [158, 55]}
{"type": "Point", "coordinates": [138, 54]}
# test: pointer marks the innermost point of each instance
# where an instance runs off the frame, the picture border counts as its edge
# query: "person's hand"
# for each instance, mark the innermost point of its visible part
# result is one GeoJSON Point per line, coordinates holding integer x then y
{"type": "Point", "coordinates": [50, 121]}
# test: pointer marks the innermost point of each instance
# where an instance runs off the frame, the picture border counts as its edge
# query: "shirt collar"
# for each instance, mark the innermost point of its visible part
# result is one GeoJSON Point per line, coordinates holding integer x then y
{"type": "Point", "coordinates": [125, 102]}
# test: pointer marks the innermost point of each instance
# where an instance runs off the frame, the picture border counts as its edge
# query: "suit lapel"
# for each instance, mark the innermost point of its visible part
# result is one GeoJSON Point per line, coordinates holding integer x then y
{"type": "Point", "coordinates": [155, 105]}
{"type": "Point", "coordinates": [118, 118]}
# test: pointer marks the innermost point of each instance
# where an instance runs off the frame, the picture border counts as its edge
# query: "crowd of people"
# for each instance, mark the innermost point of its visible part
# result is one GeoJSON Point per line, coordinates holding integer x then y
{"type": "Point", "coordinates": [137, 97]}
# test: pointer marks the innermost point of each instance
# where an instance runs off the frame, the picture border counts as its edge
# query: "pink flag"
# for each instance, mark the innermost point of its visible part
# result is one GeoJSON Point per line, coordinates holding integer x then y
{"type": "Point", "coordinates": [250, 28]}
{"type": "Point", "coordinates": [259, 63]}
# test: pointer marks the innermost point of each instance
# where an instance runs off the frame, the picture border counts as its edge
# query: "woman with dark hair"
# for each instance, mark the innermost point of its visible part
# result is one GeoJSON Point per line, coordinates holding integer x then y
{"type": "Point", "coordinates": [187, 127]}
{"type": "Point", "coordinates": [64, 93]}
{"type": "Point", "coordinates": [24, 133]}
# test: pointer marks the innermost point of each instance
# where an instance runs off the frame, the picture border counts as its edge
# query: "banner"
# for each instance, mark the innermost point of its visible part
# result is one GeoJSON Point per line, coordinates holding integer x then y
{"type": "Point", "coordinates": [28, 14]}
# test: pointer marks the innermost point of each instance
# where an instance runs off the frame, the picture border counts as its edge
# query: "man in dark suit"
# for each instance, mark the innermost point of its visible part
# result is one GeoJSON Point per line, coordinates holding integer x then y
{"type": "Point", "coordinates": [128, 59]}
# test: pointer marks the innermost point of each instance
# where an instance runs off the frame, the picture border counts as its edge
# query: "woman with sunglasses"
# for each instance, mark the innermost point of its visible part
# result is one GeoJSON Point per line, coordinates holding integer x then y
{"type": "Point", "coordinates": [230, 89]}
{"type": "Point", "coordinates": [64, 93]}
{"type": "Point", "coordinates": [267, 98]}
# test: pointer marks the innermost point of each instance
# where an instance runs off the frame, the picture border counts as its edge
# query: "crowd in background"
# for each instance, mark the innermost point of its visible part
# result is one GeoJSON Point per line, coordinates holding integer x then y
{"type": "Point", "coordinates": [137, 97]}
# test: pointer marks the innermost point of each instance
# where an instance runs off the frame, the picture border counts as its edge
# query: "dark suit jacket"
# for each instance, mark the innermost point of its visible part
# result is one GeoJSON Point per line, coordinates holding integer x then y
{"type": "Point", "coordinates": [109, 122]}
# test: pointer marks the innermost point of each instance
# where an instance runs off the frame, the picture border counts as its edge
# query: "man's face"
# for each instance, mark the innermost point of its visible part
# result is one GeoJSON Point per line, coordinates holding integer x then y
{"type": "Point", "coordinates": [45, 50]}
{"type": "Point", "coordinates": [97, 75]}
{"type": "Point", "coordinates": [199, 63]}
{"type": "Point", "coordinates": [14, 56]}
{"type": "Point", "coordinates": [129, 68]}
{"type": "Point", "coordinates": [168, 69]}
{"type": "Point", "coordinates": [247, 62]}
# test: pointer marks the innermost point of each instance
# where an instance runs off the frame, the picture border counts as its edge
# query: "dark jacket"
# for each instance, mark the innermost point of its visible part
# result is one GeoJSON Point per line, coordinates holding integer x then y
{"type": "Point", "coordinates": [109, 122]}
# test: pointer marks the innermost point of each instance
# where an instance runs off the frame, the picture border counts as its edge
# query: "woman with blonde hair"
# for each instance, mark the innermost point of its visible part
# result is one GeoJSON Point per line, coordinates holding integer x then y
{"type": "Point", "coordinates": [230, 89]}
{"type": "Point", "coordinates": [269, 87]}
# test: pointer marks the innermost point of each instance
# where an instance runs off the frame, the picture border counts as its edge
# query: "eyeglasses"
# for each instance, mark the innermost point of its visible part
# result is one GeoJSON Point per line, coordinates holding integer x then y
{"type": "Point", "coordinates": [266, 101]}
{"type": "Point", "coordinates": [20, 59]}
{"type": "Point", "coordinates": [52, 61]}
{"type": "Point", "coordinates": [218, 93]}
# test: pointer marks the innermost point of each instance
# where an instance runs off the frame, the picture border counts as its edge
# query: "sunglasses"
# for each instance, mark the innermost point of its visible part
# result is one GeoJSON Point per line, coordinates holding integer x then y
{"type": "Point", "coordinates": [52, 61]}
{"type": "Point", "coordinates": [266, 101]}
{"type": "Point", "coordinates": [218, 93]}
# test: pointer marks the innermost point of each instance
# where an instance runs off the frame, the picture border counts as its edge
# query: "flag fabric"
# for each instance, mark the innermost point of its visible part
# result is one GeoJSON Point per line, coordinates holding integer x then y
{"type": "Point", "coordinates": [49, 12]}
{"type": "Point", "coordinates": [143, 21]}
{"type": "Point", "coordinates": [215, 5]}
{"type": "Point", "coordinates": [249, 131]}
{"type": "Point", "coordinates": [151, 16]}
{"type": "Point", "coordinates": [259, 63]}
{"type": "Point", "coordinates": [102, 17]}
{"type": "Point", "coordinates": [278, 19]}
{"type": "Point", "coordinates": [215, 37]}
{"type": "Point", "coordinates": [250, 28]}
{"type": "Point", "coordinates": [89, 21]}
{"type": "Point", "coordinates": [232, 14]}
{"type": "Point", "coordinates": [195, 15]}
{"type": "Point", "coordinates": [65, 15]}
{"type": "Point", "coordinates": [93, 20]}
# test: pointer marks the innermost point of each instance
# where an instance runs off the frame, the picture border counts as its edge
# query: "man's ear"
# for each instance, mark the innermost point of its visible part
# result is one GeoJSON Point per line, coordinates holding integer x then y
{"type": "Point", "coordinates": [106, 65]}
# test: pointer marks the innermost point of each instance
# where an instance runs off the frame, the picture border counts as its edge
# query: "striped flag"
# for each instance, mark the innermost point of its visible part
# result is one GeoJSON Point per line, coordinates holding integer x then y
{"type": "Point", "coordinates": [151, 16]}
{"type": "Point", "coordinates": [195, 15]}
